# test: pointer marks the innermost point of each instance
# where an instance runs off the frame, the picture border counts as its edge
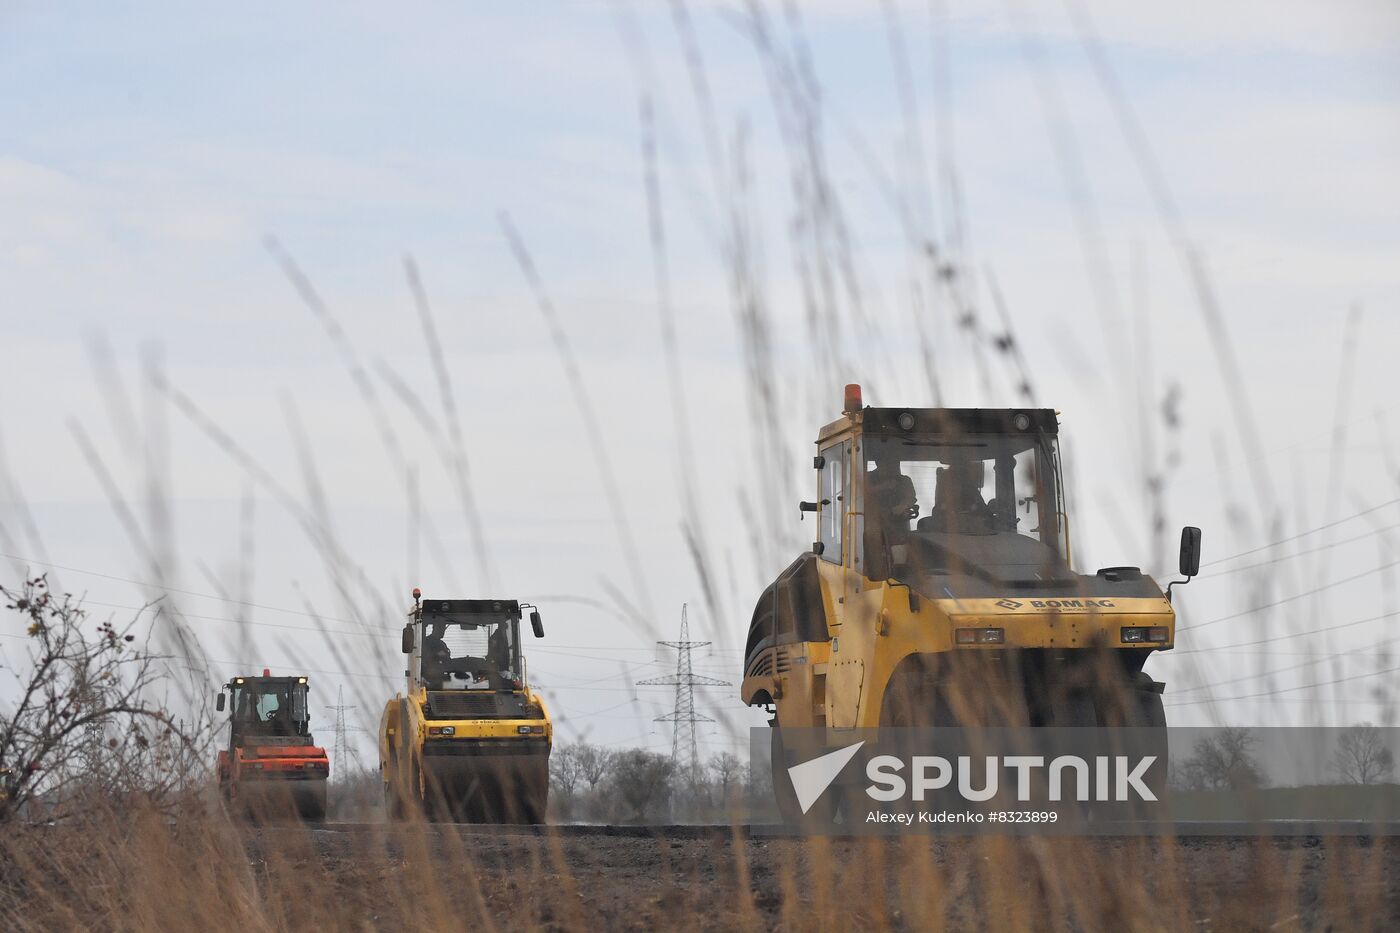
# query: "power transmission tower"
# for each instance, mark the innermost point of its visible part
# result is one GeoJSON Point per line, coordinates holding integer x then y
{"type": "Point", "coordinates": [685, 681]}
{"type": "Point", "coordinates": [342, 745]}
{"type": "Point", "coordinates": [94, 740]}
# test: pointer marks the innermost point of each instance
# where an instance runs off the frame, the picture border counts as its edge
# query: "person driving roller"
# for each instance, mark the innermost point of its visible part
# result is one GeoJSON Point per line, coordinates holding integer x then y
{"type": "Point", "coordinates": [958, 506]}
{"type": "Point", "coordinates": [278, 718]}
{"type": "Point", "coordinates": [891, 502]}
{"type": "Point", "coordinates": [436, 657]}
{"type": "Point", "coordinates": [498, 651]}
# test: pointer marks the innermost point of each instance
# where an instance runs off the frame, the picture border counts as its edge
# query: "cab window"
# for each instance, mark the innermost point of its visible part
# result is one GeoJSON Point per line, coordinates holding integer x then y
{"type": "Point", "coordinates": [980, 485]}
{"type": "Point", "coordinates": [834, 489]}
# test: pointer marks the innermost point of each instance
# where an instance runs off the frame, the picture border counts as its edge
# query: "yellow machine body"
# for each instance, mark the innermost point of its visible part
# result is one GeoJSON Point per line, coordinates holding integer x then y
{"type": "Point", "coordinates": [469, 740]}
{"type": "Point", "coordinates": [923, 607]}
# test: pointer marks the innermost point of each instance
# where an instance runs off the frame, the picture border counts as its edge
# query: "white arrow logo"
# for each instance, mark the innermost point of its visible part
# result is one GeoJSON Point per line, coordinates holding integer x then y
{"type": "Point", "coordinates": [811, 778]}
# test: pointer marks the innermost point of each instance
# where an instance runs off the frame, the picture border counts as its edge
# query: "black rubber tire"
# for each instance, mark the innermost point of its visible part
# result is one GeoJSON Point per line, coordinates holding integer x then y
{"type": "Point", "coordinates": [411, 793]}
{"type": "Point", "coordinates": [529, 808]}
{"type": "Point", "coordinates": [788, 807]}
{"type": "Point", "coordinates": [822, 812]}
{"type": "Point", "coordinates": [393, 803]}
{"type": "Point", "coordinates": [1151, 711]}
{"type": "Point", "coordinates": [1152, 714]}
{"type": "Point", "coordinates": [533, 799]}
{"type": "Point", "coordinates": [1074, 710]}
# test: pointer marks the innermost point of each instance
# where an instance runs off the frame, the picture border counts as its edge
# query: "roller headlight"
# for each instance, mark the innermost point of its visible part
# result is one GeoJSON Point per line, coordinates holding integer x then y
{"type": "Point", "coordinates": [980, 636]}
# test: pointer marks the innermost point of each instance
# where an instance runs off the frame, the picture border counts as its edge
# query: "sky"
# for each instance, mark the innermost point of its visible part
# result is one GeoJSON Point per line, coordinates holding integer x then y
{"type": "Point", "coordinates": [220, 206]}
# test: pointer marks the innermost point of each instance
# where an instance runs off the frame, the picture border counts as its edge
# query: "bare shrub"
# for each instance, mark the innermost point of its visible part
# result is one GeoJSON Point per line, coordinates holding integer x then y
{"type": "Point", "coordinates": [83, 726]}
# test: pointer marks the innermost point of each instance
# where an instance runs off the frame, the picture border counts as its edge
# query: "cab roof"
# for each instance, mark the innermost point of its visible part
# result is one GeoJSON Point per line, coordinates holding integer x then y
{"type": "Point", "coordinates": [433, 607]}
{"type": "Point", "coordinates": [947, 421]}
{"type": "Point", "coordinates": [262, 679]}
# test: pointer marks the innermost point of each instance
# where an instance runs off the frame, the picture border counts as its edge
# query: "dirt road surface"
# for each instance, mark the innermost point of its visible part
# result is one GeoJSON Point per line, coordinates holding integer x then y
{"type": "Point", "coordinates": [689, 877]}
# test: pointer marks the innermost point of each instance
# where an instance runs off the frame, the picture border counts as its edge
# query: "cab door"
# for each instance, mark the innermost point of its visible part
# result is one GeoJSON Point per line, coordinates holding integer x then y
{"type": "Point", "coordinates": [832, 535]}
{"type": "Point", "coordinates": [838, 548]}
{"type": "Point", "coordinates": [862, 598]}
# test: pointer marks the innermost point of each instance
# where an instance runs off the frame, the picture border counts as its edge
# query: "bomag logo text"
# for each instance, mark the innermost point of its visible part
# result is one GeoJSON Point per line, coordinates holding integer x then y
{"type": "Point", "coordinates": [1071, 604]}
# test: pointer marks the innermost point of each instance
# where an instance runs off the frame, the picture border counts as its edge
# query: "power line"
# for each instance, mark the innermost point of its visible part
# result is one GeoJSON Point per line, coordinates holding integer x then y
{"type": "Point", "coordinates": [1279, 670]}
{"type": "Point", "coordinates": [169, 589]}
{"type": "Point", "coordinates": [1301, 445]}
{"type": "Point", "coordinates": [307, 670]}
{"type": "Point", "coordinates": [1289, 599]}
{"type": "Point", "coordinates": [547, 687]}
{"type": "Point", "coordinates": [1302, 534]}
{"type": "Point", "coordinates": [1270, 693]}
{"type": "Point", "coordinates": [1297, 554]}
{"type": "Point", "coordinates": [1317, 701]}
{"type": "Point", "coordinates": [588, 714]}
{"type": "Point", "coordinates": [712, 648]}
{"type": "Point", "coordinates": [385, 633]}
{"type": "Point", "coordinates": [1383, 643]}
{"type": "Point", "coordinates": [566, 685]}
{"type": "Point", "coordinates": [203, 618]}
{"type": "Point", "coordinates": [1289, 635]}
{"type": "Point", "coordinates": [311, 631]}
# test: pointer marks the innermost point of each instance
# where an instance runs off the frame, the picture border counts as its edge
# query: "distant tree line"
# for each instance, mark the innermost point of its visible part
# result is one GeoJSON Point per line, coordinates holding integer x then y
{"type": "Point", "coordinates": [591, 783]}
{"type": "Point", "coordinates": [1226, 760]}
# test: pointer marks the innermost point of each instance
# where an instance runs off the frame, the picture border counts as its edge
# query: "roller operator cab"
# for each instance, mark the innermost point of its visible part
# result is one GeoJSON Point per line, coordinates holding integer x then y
{"type": "Point", "coordinates": [469, 741]}
{"type": "Point", "coordinates": [940, 590]}
{"type": "Point", "coordinates": [272, 765]}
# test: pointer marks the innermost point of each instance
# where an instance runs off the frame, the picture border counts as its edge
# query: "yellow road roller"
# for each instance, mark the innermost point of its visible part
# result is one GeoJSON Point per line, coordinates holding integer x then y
{"type": "Point", "coordinates": [940, 588]}
{"type": "Point", "coordinates": [469, 741]}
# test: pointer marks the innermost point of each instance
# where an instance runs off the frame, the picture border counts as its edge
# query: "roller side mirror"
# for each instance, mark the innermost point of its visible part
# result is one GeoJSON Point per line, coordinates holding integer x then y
{"type": "Point", "coordinates": [1189, 563]}
{"type": "Point", "coordinates": [407, 639]}
{"type": "Point", "coordinates": [219, 703]}
{"type": "Point", "coordinates": [1190, 551]}
{"type": "Point", "coordinates": [536, 623]}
